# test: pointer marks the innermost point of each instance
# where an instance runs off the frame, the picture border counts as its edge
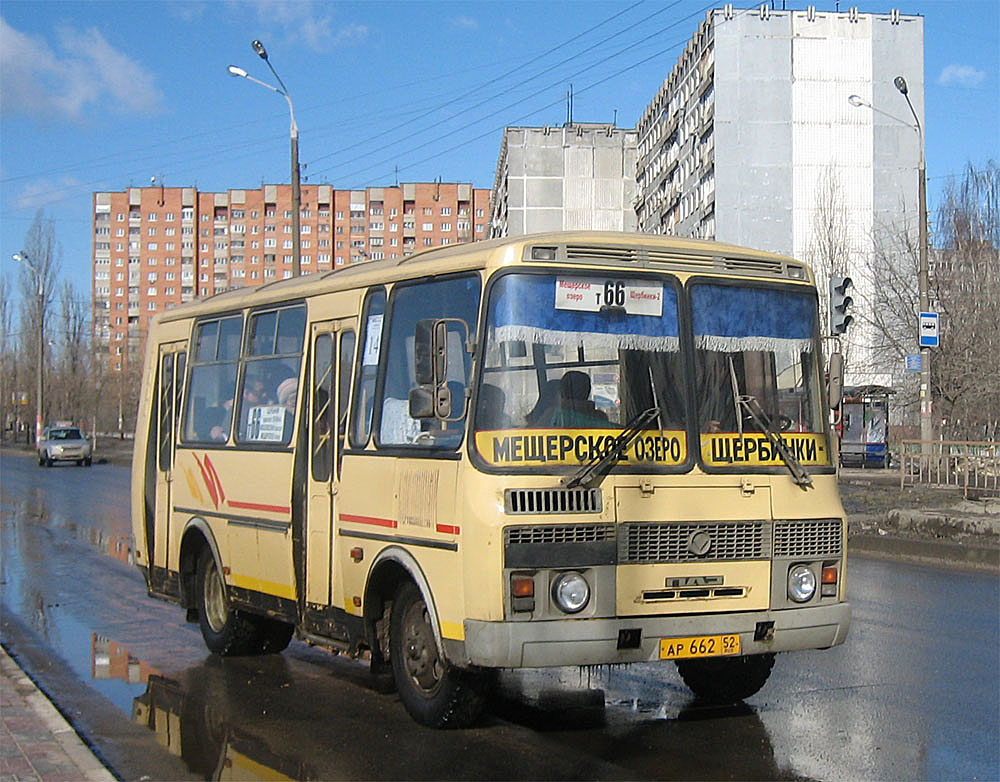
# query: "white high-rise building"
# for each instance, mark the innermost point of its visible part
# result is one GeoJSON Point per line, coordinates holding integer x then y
{"type": "Point", "coordinates": [752, 140]}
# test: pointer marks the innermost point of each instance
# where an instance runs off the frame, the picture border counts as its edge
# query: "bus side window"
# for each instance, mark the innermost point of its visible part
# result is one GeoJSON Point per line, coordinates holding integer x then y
{"type": "Point", "coordinates": [367, 369]}
{"type": "Point", "coordinates": [347, 342]}
{"type": "Point", "coordinates": [322, 408]}
{"type": "Point", "coordinates": [212, 385]}
{"type": "Point", "coordinates": [166, 399]}
{"type": "Point", "coordinates": [452, 297]}
{"type": "Point", "coordinates": [269, 388]}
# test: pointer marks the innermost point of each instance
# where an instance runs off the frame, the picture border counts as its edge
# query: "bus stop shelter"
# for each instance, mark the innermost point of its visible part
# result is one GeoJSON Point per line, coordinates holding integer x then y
{"type": "Point", "coordinates": [864, 429]}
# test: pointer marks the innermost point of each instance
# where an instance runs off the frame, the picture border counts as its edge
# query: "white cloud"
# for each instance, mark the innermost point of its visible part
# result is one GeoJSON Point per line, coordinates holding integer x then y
{"type": "Point", "coordinates": [955, 75]}
{"type": "Point", "coordinates": [309, 22]}
{"type": "Point", "coordinates": [465, 23]}
{"type": "Point", "coordinates": [85, 71]}
{"type": "Point", "coordinates": [43, 192]}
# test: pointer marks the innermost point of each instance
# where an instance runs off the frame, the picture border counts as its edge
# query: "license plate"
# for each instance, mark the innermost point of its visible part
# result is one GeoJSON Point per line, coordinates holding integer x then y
{"type": "Point", "coordinates": [699, 646]}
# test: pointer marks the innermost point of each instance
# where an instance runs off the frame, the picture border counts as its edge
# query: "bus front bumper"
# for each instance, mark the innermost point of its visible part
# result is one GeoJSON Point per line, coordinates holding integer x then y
{"type": "Point", "coordinates": [538, 644]}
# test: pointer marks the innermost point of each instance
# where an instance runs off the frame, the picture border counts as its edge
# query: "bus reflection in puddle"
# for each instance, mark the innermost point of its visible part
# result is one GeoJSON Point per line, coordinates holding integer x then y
{"type": "Point", "coordinates": [193, 728]}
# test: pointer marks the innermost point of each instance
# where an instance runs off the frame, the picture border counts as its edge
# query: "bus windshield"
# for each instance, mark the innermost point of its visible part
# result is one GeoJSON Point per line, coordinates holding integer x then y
{"type": "Point", "coordinates": [570, 360]}
{"type": "Point", "coordinates": [755, 370]}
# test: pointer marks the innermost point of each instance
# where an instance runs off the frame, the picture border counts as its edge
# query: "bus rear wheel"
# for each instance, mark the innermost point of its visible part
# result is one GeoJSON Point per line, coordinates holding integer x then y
{"type": "Point", "coordinates": [725, 680]}
{"type": "Point", "coordinates": [434, 692]}
{"type": "Point", "coordinates": [227, 631]}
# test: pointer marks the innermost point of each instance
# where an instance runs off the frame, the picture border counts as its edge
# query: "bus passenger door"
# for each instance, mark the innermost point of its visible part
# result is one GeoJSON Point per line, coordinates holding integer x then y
{"type": "Point", "coordinates": [332, 359]}
{"type": "Point", "coordinates": [170, 378]}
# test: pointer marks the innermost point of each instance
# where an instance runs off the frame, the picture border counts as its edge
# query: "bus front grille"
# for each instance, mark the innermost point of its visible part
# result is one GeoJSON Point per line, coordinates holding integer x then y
{"type": "Point", "coordinates": [558, 533]}
{"type": "Point", "coordinates": [694, 541]}
{"type": "Point", "coordinates": [808, 538]}
{"type": "Point", "coordinates": [532, 501]}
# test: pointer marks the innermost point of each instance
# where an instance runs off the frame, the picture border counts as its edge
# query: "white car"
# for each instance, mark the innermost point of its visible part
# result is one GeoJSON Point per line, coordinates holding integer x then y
{"type": "Point", "coordinates": [63, 444]}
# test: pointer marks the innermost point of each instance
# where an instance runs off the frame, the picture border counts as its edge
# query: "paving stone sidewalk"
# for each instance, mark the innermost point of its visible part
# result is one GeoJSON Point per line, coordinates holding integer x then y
{"type": "Point", "coordinates": [36, 742]}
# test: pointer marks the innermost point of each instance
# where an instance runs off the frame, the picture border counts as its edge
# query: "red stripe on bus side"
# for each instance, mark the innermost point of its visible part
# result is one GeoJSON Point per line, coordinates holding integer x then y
{"type": "Point", "coordinates": [448, 529]}
{"type": "Point", "coordinates": [368, 520]}
{"type": "Point", "coordinates": [215, 477]}
{"type": "Point", "coordinates": [258, 506]}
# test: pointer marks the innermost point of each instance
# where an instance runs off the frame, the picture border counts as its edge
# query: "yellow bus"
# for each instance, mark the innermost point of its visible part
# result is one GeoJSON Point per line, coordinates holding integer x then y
{"type": "Point", "coordinates": [561, 449]}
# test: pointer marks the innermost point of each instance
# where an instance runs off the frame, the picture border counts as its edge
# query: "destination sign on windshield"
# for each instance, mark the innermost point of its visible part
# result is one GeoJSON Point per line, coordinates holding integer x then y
{"type": "Point", "coordinates": [636, 297]}
{"type": "Point", "coordinates": [524, 447]}
{"type": "Point", "coordinates": [729, 449]}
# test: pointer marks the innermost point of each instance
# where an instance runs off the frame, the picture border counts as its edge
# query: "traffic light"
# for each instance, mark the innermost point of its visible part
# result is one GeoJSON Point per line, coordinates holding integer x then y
{"type": "Point", "coordinates": [840, 303]}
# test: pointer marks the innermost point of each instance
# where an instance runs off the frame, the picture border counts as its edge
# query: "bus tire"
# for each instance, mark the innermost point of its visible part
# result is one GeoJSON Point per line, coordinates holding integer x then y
{"type": "Point", "coordinates": [227, 632]}
{"type": "Point", "coordinates": [725, 680]}
{"type": "Point", "coordinates": [434, 693]}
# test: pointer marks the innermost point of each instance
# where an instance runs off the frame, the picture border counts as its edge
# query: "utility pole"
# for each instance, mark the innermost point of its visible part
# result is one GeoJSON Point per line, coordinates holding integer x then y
{"type": "Point", "coordinates": [926, 399]}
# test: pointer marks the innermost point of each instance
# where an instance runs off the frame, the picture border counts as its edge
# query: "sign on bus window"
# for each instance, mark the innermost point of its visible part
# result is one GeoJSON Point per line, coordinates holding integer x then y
{"type": "Point", "coordinates": [270, 387]}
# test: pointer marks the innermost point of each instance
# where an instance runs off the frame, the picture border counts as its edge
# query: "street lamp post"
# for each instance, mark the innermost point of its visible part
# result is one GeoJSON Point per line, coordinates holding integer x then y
{"type": "Point", "coordinates": [923, 279]}
{"type": "Point", "coordinates": [926, 413]}
{"type": "Point", "coordinates": [22, 257]}
{"type": "Point", "coordinates": [258, 47]}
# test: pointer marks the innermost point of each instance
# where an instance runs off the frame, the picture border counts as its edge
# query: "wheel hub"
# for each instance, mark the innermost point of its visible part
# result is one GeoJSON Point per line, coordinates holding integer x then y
{"type": "Point", "coordinates": [422, 661]}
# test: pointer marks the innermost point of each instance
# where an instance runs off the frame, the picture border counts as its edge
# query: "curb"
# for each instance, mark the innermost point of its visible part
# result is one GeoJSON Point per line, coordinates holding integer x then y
{"type": "Point", "coordinates": [957, 555]}
{"type": "Point", "coordinates": [79, 755]}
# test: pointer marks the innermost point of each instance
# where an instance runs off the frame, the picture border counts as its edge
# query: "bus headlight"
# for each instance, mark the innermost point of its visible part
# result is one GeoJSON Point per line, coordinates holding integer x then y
{"type": "Point", "coordinates": [801, 583]}
{"type": "Point", "coordinates": [571, 592]}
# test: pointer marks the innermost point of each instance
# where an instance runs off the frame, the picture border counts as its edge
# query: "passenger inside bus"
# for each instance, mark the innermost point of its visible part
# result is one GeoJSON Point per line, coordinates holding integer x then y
{"type": "Point", "coordinates": [575, 408]}
{"type": "Point", "coordinates": [541, 413]}
{"type": "Point", "coordinates": [490, 413]}
{"type": "Point", "coordinates": [286, 395]}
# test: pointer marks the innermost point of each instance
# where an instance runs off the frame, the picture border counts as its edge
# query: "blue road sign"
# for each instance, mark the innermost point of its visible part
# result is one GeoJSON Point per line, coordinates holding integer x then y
{"type": "Point", "coordinates": [928, 329]}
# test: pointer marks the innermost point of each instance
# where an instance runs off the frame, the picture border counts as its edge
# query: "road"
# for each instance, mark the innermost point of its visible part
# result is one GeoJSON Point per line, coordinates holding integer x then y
{"type": "Point", "coordinates": [913, 694]}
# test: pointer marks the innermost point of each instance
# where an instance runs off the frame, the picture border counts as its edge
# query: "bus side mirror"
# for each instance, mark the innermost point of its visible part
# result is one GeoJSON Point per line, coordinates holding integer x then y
{"type": "Point", "coordinates": [421, 400]}
{"type": "Point", "coordinates": [835, 382]}
{"type": "Point", "coordinates": [432, 398]}
{"type": "Point", "coordinates": [430, 351]}
{"type": "Point", "coordinates": [423, 351]}
{"type": "Point", "coordinates": [429, 401]}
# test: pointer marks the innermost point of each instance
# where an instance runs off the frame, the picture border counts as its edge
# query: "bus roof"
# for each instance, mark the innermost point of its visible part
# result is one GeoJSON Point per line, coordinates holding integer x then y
{"type": "Point", "coordinates": [586, 248]}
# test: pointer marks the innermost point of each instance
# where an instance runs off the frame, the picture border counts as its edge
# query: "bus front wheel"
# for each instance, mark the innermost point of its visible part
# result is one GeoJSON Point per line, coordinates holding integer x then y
{"type": "Point", "coordinates": [227, 631]}
{"type": "Point", "coordinates": [434, 693]}
{"type": "Point", "coordinates": [725, 680]}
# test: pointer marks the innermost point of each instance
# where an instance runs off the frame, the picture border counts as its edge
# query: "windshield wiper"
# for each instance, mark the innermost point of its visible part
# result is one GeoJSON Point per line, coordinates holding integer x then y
{"type": "Point", "coordinates": [748, 402]}
{"type": "Point", "coordinates": [593, 472]}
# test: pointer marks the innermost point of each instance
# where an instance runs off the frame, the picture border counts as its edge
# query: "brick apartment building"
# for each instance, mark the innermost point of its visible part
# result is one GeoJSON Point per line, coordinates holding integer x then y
{"type": "Point", "coordinates": [157, 247]}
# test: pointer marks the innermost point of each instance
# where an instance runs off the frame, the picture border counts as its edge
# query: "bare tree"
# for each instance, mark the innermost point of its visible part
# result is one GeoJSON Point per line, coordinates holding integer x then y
{"type": "Point", "coordinates": [964, 290]}
{"type": "Point", "coordinates": [965, 286]}
{"type": "Point", "coordinates": [9, 364]}
{"type": "Point", "coordinates": [830, 250]}
{"type": "Point", "coordinates": [41, 252]}
{"type": "Point", "coordinates": [72, 388]}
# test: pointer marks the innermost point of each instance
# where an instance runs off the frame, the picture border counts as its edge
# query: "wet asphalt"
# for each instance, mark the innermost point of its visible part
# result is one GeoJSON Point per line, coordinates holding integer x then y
{"type": "Point", "coordinates": [913, 694]}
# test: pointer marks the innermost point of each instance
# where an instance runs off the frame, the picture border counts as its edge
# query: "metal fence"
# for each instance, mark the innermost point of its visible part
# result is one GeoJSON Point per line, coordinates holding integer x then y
{"type": "Point", "coordinates": [955, 464]}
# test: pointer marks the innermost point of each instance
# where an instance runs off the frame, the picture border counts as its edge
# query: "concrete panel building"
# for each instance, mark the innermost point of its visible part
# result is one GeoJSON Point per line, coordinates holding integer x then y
{"type": "Point", "coordinates": [579, 176]}
{"type": "Point", "coordinates": [752, 140]}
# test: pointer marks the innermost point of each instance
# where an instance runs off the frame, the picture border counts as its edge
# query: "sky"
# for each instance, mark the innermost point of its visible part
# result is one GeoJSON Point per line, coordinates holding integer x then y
{"type": "Point", "coordinates": [104, 95]}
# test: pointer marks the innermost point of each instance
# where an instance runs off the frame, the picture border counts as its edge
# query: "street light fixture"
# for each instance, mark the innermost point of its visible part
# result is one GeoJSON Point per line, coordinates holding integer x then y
{"type": "Point", "coordinates": [22, 257]}
{"type": "Point", "coordinates": [923, 281]}
{"type": "Point", "coordinates": [258, 47]}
